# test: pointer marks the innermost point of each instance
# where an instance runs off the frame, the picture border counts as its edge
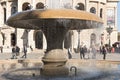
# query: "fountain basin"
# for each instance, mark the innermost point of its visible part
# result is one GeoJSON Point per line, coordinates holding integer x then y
{"type": "Point", "coordinates": [38, 19]}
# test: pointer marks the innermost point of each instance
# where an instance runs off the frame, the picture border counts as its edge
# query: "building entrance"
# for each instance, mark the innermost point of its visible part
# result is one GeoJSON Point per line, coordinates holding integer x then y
{"type": "Point", "coordinates": [39, 40]}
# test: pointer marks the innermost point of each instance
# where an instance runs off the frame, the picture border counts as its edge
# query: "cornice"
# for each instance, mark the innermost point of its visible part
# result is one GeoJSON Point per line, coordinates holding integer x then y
{"type": "Point", "coordinates": [113, 0]}
{"type": "Point", "coordinates": [98, 1]}
{"type": "Point", "coordinates": [6, 1]}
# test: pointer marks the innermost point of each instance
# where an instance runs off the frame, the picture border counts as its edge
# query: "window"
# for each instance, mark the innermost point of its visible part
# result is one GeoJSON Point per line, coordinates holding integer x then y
{"type": "Point", "coordinates": [26, 6]}
{"type": "Point", "coordinates": [13, 39]}
{"type": "Point", "coordinates": [93, 39]}
{"type": "Point", "coordinates": [93, 10]}
{"type": "Point", "coordinates": [4, 9]}
{"type": "Point", "coordinates": [40, 6]}
{"type": "Point", "coordinates": [101, 11]}
{"type": "Point", "coordinates": [80, 6]}
{"type": "Point", "coordinates": [13, 10]}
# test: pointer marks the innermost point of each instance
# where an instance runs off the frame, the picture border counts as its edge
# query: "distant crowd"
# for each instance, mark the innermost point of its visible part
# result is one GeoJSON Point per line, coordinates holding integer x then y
{"type": "Point", "coordinates": [91, 52]}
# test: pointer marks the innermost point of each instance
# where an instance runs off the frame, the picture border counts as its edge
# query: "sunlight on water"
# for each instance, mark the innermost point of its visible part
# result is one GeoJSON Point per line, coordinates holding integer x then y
{"type": "Point", "coordinates": [90, 72]}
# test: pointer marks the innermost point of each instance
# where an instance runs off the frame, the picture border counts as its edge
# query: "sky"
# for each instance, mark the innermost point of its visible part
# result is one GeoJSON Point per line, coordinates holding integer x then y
{"type": "Point", "coordinates": [118, 16]}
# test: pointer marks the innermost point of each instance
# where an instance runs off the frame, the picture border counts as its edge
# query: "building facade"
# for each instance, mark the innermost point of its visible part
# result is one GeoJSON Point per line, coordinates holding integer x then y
{"type": "Point", "coordinates": [105, 9]}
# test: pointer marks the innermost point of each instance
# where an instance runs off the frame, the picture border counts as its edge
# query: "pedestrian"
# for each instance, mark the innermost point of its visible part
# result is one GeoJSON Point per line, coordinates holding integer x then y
{"type": "Point", "coordinates": [14, 53]}
{"type": "Point", "coordinates": [112, 49]}
{"type": "Point", "coordinates": [100, 49]}
{"type": "Point", "coordinates": [82, 53]}
{"type": "Point", "coordinates": [104, 52]}
{"type": "Point", "coordinates": [69, 54]}
{"type": "Point", "coordinates": [31, 48]}
{"type": "Point", "coordinates": [85, 50]}
{"type": "Point", "coordinates": [17, 51]}
{"type": "Point", "coordinates": [25, 52]}
{"type": "Point", "coordinates": [1, 49]}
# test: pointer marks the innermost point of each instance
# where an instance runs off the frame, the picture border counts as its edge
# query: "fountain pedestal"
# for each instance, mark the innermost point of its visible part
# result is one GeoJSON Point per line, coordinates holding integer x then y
{"type": "Point", "coordinates": [54, 63]}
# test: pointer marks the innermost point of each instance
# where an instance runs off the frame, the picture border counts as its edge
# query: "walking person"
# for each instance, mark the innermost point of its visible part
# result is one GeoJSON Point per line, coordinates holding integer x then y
{"type": "Point", "coordinates": [85, 51]}
{"type": "Point", "coordinates": [25, 52]}
{"type": "Point", "coordinates": [17, 51]}
{"type": "Point", "coordinates": [69, 54]}
{"type": "Point", "coordinates": [14, 53]}
{"type": "Point", "coordinates": [82, 53]}
{"type": "Point", "coordinates": [104, 52]}
{"type": "Point", "coordinates": [1, 49]}
{"type": "Point", "coordinates": [100, 49]}
{"type": "Point", "coordinates": [31, 48]}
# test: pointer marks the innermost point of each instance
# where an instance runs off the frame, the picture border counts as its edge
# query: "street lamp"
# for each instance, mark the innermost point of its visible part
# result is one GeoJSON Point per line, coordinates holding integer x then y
{"type": "Point", "coordinates": [109, 31]}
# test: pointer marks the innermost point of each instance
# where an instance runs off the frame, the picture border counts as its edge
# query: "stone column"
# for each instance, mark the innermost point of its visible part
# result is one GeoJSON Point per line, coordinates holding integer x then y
{"type": "Point", "coordinates": [8, 8]}
{"type": "Point", "coordinates": [55, 37]}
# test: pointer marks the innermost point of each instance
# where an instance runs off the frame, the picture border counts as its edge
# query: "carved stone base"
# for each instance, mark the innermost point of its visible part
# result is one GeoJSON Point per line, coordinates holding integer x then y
{"type": "Point", "coordinates": [55, 70]}
{"type": "Point", "coordinates": [54, 63]}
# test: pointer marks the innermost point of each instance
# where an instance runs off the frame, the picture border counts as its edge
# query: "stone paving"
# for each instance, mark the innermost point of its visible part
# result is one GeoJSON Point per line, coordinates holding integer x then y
{"type": "Point", "coordinates": [109, 56]}
{"type": "Point", "coordinates": [34, 57]}
{"type": "Point", "coordinates": [37, 55]}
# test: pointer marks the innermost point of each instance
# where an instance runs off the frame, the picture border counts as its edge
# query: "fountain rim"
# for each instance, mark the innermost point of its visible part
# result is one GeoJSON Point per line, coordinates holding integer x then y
{"type": "Point", "coordinates": [54, 14]}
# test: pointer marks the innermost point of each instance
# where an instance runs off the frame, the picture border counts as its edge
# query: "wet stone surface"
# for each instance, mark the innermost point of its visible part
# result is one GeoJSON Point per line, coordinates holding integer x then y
{"type": "Point", "coordinates": [83, 73]}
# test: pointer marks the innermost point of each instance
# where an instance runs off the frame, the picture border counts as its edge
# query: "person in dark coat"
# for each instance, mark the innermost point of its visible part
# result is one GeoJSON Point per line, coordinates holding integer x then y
{"type": "Point", "coordinates": [1, 49]}
{"type": "Point", "coordinates": [82, 53]}
{"type": "Point", "coordinates": [17, 51]}
{"type": "Point", "coordinates": [14, 53]}
{"type": "Point", "coordinates": [104, 52]}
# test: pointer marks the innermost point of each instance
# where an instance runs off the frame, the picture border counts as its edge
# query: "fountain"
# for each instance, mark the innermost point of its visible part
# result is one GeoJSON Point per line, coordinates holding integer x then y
{"type": "Point", "coordinates": [54, 23]}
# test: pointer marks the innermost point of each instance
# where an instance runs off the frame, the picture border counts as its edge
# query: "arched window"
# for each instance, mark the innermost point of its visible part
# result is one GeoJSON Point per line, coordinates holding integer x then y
{"type": "Point", "coordinates": [40, 5]}
{"type": "Point", "coordinates": [93, 10]}
{"type": "Point", "coordinates": [3, 4]}
{"type": "Point", "coordinates": [13, 10]}
{"type": "Point", "coordinates": [93, 39]}
{"type": "Point", "coordinates": [13, 39]}
{"type": "Point", "coordinates": [26, 6]}
{"type": "Point", "coordinates": [101, 11]}
{"type": "Point", "coordinates": [80, 6]}
{"type": "Point", "coordinates": [4, 9]}
{"type": "Point", "coordinates": [38, 36]}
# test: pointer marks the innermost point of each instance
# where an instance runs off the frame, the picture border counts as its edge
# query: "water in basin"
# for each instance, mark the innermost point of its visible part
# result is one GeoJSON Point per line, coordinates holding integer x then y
{"type": "Point", "coordinates": [86, 70]}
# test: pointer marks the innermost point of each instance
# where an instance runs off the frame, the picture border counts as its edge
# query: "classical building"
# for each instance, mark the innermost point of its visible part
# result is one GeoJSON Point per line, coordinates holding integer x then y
{"type": "Point", "coordinates": [118, 36]}
{"type": "Point", "coordinates": [105, 9]}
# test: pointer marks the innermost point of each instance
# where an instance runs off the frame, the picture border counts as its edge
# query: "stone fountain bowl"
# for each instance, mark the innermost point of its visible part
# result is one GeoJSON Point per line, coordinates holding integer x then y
{"type": "Point", "coordinates": [56, 55]}
{"type": "Point", "coordinates": [40, 19]}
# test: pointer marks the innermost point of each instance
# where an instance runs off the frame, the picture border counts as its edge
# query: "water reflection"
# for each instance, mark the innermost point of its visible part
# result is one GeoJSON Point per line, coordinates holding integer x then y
{"type": "Point", "coordinates": [105, 71]}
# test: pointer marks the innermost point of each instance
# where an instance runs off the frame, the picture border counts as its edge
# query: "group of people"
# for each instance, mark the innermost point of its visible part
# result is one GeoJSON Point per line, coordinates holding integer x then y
{"type": "Point", "coordinates": [90, 53]}
{"type": "Point", "coordinates": [93, 50]}
{"type": "Point", "coordinates": [16, 52]}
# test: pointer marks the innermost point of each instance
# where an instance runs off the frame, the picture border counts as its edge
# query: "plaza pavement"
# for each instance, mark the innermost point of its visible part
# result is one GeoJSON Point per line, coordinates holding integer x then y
{"type": "Point", "coordinates": [37, 55]}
